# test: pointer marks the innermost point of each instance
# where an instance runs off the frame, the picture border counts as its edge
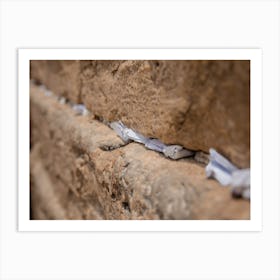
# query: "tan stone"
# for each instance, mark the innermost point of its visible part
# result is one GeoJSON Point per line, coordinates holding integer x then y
{"type": "Point", "coordinates": [197, 104]}
{"type": "Point", "coordinates": [61, 76]}
{"type": "Point", "coordinates": [82, 170]}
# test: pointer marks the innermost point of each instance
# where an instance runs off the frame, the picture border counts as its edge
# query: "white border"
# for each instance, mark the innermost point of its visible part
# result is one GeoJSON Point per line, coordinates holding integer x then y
{"type": "Point", "coordinates": [254, 55]}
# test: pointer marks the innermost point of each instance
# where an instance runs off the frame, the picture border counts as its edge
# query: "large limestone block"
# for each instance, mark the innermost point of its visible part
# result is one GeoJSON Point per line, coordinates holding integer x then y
{"type": "Point", "coordinates": [197, 104]}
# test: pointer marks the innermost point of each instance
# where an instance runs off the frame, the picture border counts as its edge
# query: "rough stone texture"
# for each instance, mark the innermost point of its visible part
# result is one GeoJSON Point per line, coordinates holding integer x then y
{"type": "Point", "coordinates": [61, 76]}
{"type": "Point", "coordinates": [197, 104]}
{"type": "Point", "coordinates": [80, 169]}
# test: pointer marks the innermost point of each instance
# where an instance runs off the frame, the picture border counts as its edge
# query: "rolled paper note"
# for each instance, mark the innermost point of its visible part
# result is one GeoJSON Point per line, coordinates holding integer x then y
{"type": "Point", "coordinates": [240, 183]}
{"type": "Point", "coordinates": [155, 145]}
{"type": "Point", "coordinates": [80, 109]}
{"type": "Point", "coordinates": [215, 171]}
{"type": "Point", "coordinates": [228, 174]}
{"type": "Point", "coordinates": [119, 128]}
{"type": "Point", "coordinates": [222, 161]}
{"type": "Point", "coordinates": [134, 136]}
{"type": "Point", "coordinates": [177, 152]}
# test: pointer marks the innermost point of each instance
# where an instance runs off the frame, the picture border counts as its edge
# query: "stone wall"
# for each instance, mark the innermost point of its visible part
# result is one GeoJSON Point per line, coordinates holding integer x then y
{"type": "Point", "coordinates": [88, 172]}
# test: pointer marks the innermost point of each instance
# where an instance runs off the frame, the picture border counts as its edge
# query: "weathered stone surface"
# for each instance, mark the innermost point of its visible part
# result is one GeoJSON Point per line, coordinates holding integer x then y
{"type": "Point", "coordinates": [80, 169]}
{"type": "Point", "coordinates": [45, 203]}
{"type": "Point", "coordinates": [61, 76]}
{"type": "Point", "coordinates": [197, 104]}
{"type": "Point", "coordinates": [53, 200]}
